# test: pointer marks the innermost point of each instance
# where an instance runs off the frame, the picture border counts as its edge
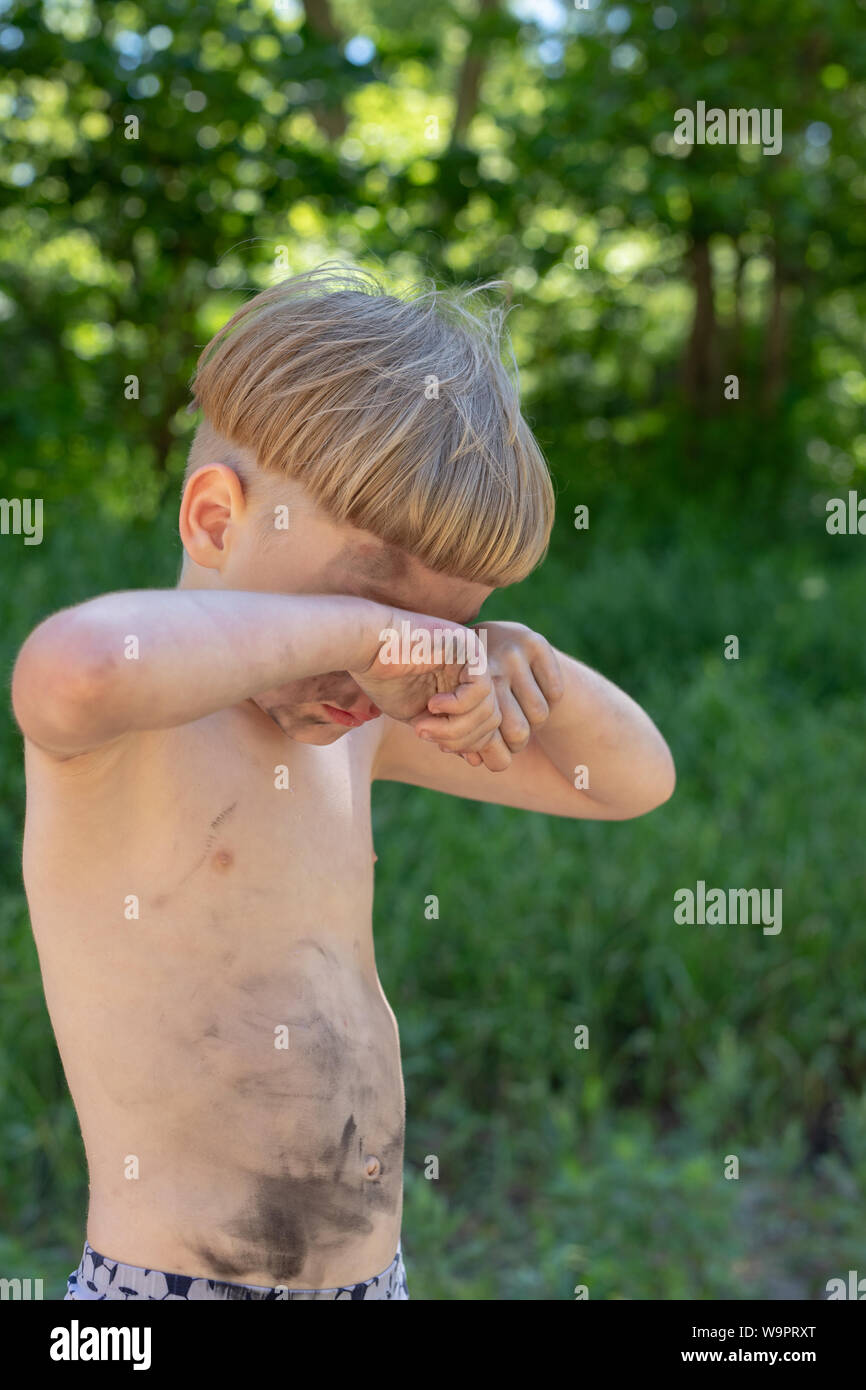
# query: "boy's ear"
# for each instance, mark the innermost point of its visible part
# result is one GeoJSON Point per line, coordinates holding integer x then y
{"type": "Point", "coordinates": [212, 500]}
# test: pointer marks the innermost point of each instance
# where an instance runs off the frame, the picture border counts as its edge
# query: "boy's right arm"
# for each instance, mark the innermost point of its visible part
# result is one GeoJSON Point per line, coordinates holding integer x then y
{"type": "Point", "coordinates": [156, 658]}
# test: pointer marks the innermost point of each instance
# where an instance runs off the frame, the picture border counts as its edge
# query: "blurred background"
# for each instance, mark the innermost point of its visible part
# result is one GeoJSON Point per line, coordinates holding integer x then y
{"type": "Point", "coordinates": [160, 162]}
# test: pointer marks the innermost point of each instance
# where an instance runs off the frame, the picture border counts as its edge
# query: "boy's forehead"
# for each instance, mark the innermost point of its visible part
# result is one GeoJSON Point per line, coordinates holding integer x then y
{"type": "Point", "coordinates": [377, 570]}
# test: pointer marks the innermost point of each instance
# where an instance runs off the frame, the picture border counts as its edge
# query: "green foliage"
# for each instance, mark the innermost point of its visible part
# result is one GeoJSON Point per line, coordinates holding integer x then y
{"type": "Point", "coordinates": [260, 147]}
{"type": "Point", "coordinates": [263, 147]}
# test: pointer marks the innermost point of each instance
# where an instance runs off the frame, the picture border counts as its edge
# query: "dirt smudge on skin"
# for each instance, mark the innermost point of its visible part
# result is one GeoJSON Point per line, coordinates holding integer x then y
{"type": "Point", "coordinates": [312, 1066]}
{"type": "Point", "coordinates": [288, 1217]}
{"type": "Point", "coordinates": [213, 829]}
{"type": "Point", "coordinates": [307, 942]}
{"type": "Point", "coordinates": [210, 840]}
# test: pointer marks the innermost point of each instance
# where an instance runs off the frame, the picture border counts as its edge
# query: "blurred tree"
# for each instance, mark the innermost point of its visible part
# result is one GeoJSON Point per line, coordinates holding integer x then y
{"type": "Point", "coordinates": [162, 158]}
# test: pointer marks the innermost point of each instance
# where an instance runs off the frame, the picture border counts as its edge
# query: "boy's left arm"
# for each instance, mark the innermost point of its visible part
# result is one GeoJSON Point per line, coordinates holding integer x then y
{"type": "Point", "coordinates": [551, 717]}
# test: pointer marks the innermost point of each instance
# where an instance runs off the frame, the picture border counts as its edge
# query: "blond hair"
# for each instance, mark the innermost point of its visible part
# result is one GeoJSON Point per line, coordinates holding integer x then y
{"type": "Point", "coordinates": [396, 414]}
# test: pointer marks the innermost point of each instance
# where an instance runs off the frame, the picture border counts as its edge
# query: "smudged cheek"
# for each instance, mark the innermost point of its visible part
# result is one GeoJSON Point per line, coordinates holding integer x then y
{"type": "Point", "coordinates": [334, 687]}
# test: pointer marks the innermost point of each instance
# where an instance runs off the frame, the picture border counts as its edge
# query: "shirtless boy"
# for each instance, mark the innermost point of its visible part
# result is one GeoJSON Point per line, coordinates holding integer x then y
{"type": "Point", "coordinates": [198, 857]}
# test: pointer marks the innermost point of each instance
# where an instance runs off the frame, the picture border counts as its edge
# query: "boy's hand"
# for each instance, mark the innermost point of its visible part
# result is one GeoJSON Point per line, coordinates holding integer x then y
{"type": "Point", "coordinates": [401, 689]}
{"type": "Point", "coordinates": [488, 718]}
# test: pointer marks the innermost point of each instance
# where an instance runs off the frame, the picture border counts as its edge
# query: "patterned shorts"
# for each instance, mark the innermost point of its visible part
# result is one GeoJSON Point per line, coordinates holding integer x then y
{"type": "Point", "coordinates": [98, 1277]}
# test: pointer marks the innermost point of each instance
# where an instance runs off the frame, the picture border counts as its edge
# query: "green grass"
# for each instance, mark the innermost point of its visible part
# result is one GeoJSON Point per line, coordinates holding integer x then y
{"type": "Point", "coordinates": [606, 1166]}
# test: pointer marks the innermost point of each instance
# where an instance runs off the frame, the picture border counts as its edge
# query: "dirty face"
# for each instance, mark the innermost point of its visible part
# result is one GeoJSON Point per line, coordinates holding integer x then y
{"type": "Point", "coordinates": [318, 556]}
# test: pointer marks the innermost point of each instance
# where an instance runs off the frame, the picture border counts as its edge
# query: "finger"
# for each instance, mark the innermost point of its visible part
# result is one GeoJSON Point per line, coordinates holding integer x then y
{"type": "Point", "coordinates": [530, 698]}
{"type": "Point", "coordinates": [495, 755]}
{"type": "Point", "coordinates": [546, 669]}
{"type": "Point", "coordinates": [463, 733]}
{"type": "Point", "coordinates": [466, 697]}
{"type": "Point", "coordinates": [515, 727]}
{"type": "Point", "coordinates": [457, 728]}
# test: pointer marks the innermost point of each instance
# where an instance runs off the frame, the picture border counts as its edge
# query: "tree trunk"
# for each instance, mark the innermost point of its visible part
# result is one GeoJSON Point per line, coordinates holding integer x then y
{"type": "Point", "coordinates": [701, 376]}
{"type": "Point", "coordinates": [329, 116]}
{"type": "Point", "coordinates": [775, 341]}
{"type": "Point", "coordinates": [736, 362]}
{"type": "Point", "coordinates": [469, 81]}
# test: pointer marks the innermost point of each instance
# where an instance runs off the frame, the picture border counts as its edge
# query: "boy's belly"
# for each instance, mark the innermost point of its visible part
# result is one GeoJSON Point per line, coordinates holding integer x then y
{"type": "Point", "coordinates": [261, 1106]}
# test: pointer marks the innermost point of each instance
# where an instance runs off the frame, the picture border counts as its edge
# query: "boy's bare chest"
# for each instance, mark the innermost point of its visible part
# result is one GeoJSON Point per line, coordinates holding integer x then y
{"type": "Point", "coordinates": [244, 818]}
{"type": "Point", "coordinates": [212, 819]}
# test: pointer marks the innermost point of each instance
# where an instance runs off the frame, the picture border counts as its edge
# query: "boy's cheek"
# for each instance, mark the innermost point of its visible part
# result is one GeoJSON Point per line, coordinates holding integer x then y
{"type": "Point", "coordinates": [335, 687]}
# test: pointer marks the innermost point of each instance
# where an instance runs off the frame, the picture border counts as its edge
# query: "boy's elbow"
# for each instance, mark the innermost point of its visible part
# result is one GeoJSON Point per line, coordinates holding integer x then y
{"type": "Point", "coordinates": [61, 681]}
{"type": "Point", "coordinates": [661, 786]}
{"type": "Point", "coordinates": [667, 779]}
{"type": "Point", "coordinates": [656, 787]}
